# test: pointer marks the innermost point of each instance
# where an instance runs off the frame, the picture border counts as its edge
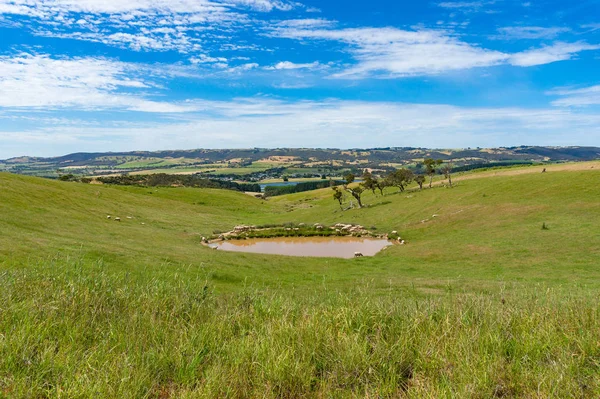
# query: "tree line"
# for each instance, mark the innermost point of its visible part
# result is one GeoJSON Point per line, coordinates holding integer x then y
{"type": "Point", "coordinates": [166, 180]}
{"type": "Point", "coordinates": [272, 191]}
{"type": "Point", "coordinates": [399, 178]}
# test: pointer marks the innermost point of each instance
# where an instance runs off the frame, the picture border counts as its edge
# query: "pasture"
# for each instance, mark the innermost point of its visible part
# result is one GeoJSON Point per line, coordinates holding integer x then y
{"type": "Point", "coordinates": [481, 302]}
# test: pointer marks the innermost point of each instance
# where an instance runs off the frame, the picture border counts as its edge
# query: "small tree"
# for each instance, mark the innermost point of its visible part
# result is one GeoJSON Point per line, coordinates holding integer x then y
{"type": "Point", "coordinates": [430, 166]}
{"type": "Point", "coordinates": [369, 182]}
{"type": "Point", "coordinates": [381, 184]}
{"type": "Point", "coordinates": [373, 183]}
{"type": "Point", "coordinates": [447, 169]}
{"type": "Point", "coordinates": [420, 179]}
{"type": "Point", "coordinates": [356, 192]}
{"type": "Point", "coordinates": [400, 178]}
{"type": "Point", "coordinates": [338, 195]}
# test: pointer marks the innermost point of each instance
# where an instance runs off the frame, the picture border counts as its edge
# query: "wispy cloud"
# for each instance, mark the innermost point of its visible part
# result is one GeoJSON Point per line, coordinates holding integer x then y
{"type": "Point", "coordinates": [307, 23]}
{"type": "Point", "coordinates": [465, 6]}
{"type": "Point", "coordinates": [44, 82]}
{"type": "Point", "coordinates": [548, 54]}
{"type": "Point", "coordinates": [141, 25]}
{"type": "Point", "coordinates": [391, 52]}
{"type": "Point", "coordinates": [290, 65]}
{"type": "Point", "coordinates": [530, 32]}
{"type": "Point", "coordinates": [591, 27]}
{"type": "Point", "coordinates": [396, 52]}
{"type": "Point", "coordinates": [577, 97]}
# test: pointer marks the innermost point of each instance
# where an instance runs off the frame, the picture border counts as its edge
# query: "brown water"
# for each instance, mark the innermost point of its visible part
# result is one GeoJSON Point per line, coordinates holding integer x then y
{"type": "Point", "coordinates": [334, 247]}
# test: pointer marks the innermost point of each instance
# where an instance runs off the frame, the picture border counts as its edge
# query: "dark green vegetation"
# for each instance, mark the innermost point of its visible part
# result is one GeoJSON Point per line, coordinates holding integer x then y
{"type": "Point", "coordinates": [482, 302]}
{"type": "Point", "coordinates": [273, 191]}
{"type": "Point", "coordinates": [164, 180]}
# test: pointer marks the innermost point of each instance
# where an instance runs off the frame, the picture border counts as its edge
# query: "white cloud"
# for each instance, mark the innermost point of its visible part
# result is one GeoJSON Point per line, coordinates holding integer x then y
{"type": "Point", "coordinates": [332, 123]}
{"type": "Point", "coordinates": [141, 25]}
{"type": "Point", "coordinates": [465, 6]}
{"type": "Point", "coordinates": [591, 27]}
{"type": "Point", "coordinates": [391, 52]}
{"type": "Point", "coordinates": [54, 7]}
{"type": "Point", "coordinates": [577, 97]}
{"type": "Point", "coordinates": [40, 81]}
{"type": "Point", "coordinates": [290, 65]}
{"type": "Point", "coordinates": [557, 52]}
{"type": "Point", "coordinates": [205, 59]}
{"type": "Point", "coordinates": [401, 53]}
{"type": "Point", "coordinates": [307, 23]}
{"type": "Point", "coordinates": [530, 32]}
{"type": "Point", "coordinates": [461, 4]}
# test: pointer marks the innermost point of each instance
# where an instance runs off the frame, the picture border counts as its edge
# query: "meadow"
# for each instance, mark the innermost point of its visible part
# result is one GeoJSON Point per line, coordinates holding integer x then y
{"type": "Point", "coordinates": [481, 302]}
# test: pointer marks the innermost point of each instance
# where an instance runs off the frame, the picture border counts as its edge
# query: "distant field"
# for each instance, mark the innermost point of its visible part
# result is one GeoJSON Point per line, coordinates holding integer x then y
{"type": "Point", "coordinates": [291, 179]}
{"type": "Point", "coordinates": [214, 169]}
{"type": "Point", "coordinates": [482, 302]}
{"type": "Point", "coordinates": [155, 163]}
{"type": "Point", "coordinates": [175, 170]}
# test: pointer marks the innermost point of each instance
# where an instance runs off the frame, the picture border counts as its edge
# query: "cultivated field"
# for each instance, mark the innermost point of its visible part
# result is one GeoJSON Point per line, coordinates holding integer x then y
{"type": "Point", "coordinates": [482, 302]}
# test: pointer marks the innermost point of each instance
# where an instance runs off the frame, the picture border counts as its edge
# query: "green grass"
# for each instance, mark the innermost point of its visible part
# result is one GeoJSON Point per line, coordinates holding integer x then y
{"type": "Point", "coordinates": [482, 302]}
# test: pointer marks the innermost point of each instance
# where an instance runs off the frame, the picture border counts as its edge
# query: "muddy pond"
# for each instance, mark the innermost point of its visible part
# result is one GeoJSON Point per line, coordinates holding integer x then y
{"type": "Point", "coordinates": [332, 247]}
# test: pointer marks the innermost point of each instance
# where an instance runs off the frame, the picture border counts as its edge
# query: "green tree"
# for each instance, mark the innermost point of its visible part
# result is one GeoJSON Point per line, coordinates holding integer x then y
{"type": "Point", "coordinates": [372, 182]}
{"type": "Point", "coordinates": [400, 178]}
{"type": "Point", "coordinates": [369, 181]}
{"type": "Point", "coordinates": [338, 195]}
{"type": "Point", "coordinates": [381, 184]}
{"type": "Point", "coordinates": [447, 169]}
{"type": "Point", "coordinates": [431, 166]}
{"type": "Point", "coordinates": [356, 191]}
{"type": "Point", "coordinates": [420, 179]}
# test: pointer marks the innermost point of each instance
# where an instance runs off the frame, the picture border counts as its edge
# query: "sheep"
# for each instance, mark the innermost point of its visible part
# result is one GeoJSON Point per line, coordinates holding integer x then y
{"type": "Point", "coordinates": [108, 217]}
{"type": "Point", "coordinates": [358, 254]}
{"type": "Point", "coordinates": [117, 219]}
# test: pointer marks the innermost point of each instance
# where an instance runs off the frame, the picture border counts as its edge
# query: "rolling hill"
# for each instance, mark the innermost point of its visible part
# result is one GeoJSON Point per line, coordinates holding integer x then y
{"type": "Point", "coordinates": [481, 302]}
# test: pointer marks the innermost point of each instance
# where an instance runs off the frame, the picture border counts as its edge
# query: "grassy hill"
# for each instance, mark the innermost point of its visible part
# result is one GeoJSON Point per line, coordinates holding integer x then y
{"type": "Point", "coordinates": [482, 302]}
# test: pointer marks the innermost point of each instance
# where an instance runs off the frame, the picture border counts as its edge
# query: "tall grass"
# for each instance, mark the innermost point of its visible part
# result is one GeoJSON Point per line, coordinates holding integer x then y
{"type": "Point", "coordinates": [70, 328]}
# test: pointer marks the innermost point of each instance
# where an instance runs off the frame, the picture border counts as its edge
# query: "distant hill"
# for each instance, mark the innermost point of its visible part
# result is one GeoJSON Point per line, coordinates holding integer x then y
{"type": "Point", "coordinates": [304, 162]}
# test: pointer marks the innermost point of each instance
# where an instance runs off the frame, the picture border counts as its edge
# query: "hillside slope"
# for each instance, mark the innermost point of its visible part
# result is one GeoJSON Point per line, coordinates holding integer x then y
{"type": "Point", "coordinates": [486, 227]}
{"type": "Point", "coordinates": [481, 303]}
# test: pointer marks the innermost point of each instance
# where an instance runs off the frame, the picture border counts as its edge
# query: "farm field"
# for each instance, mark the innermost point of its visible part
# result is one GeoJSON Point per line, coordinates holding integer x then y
{"type": "Point", "coordinates": [481, 302]}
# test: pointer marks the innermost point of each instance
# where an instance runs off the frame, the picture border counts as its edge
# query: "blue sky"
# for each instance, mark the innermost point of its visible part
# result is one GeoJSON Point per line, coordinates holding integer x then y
{"type": "Point", "coordinates": [114, 75]}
